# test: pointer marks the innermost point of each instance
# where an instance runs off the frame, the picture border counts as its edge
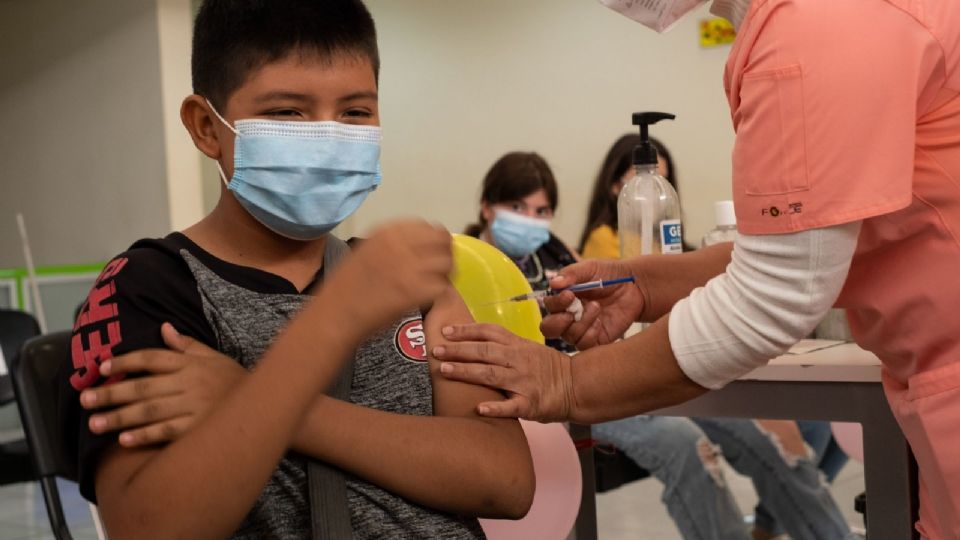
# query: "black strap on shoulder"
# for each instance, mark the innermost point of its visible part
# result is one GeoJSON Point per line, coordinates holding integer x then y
{"type": "Point", "coordinates": [329, 513]}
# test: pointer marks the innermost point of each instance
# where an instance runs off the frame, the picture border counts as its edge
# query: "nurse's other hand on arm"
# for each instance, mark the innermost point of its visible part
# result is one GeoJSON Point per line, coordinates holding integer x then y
{"type": "Point", "coordinates": [536, 379]}
{"type": "Point", "coordinates": [603, 383]}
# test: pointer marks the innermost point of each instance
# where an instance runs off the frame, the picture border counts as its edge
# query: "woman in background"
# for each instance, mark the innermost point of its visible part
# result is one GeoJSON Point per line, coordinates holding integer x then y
{"type": "Point", "coordinates": [517, 204]}
{"type": "Point", "coordinates": [599, 239]}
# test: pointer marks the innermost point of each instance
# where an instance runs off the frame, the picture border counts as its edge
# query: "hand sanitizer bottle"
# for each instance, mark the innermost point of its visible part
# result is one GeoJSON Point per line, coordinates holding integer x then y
{"type": "Point", "coordinates": [726, 229]}
{"type": "Point", "coordinates": [648, 209]}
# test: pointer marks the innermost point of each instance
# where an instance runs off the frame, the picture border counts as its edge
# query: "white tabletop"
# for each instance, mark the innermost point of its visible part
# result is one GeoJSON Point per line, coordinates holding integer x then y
{"type": "Point", "coordinates": [846, 362]}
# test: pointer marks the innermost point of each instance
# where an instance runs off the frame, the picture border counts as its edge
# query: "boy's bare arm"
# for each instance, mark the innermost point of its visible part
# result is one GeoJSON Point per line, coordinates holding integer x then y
{"type": "Point", "coordinates": [455, 461]}
{"type": "Point", "coordinates": [203, 484]}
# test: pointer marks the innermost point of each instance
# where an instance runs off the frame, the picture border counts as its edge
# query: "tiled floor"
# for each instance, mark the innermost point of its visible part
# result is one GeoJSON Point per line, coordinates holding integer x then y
{"type": "Point", "coordinates": [23, 515]}
{"type": "Point", "coordinates": [630, 512]}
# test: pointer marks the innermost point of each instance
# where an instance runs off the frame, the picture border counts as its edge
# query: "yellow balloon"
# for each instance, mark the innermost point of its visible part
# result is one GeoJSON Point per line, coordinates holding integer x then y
{"type": "Point", "coordinates": [484, 276]}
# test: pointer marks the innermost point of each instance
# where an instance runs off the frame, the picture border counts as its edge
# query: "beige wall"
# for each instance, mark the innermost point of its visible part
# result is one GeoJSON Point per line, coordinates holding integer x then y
{"type": "Point", "coordinates": [464, 82]}
{"type": "Point", "coordinates": [81, 147]}
{"type": "Point", "coordinates": [94, 153]}
{"type": "Point", "coordinates": [184, 187]}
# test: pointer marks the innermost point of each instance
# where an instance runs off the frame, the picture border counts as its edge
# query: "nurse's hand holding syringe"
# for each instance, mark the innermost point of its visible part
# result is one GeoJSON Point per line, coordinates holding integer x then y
{"type": "Point", "coordinates": [612, 301]}
{"type": "Point", "coordinates": [661, 281]}
{"type": "Point", "coordinates": [590, 285]}
{"type": "Point", "coordinates": [575, 307]}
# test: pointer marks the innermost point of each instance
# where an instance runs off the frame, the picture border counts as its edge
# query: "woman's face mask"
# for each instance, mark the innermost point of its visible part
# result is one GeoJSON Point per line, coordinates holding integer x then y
{"type": "Point", "coordinates": [658, 15]}
{"type": "Point", "coordinates": [301, 179]}
{"type": "Point", "coordinates": [518, 235]}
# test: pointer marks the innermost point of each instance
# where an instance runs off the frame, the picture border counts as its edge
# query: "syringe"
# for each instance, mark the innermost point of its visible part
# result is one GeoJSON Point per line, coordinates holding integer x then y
{"type": "Point", "coordinates": [598, 284]}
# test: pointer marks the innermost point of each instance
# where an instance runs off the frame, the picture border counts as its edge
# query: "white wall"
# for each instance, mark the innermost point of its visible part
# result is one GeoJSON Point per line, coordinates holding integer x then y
{"type": "Point", "coordinates": [464, 82]}
{"type": "Point", "coordinates": [91, 133]}
{"type": "Point", "coordinates": [81, 145]}
{"type": "Point", "coordinates": [184, 177]}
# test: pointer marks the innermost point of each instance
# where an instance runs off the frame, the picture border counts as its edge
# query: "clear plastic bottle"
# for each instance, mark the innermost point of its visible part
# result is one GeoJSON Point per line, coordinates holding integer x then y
{"type": "Point", "coordinates": [726, 229]}
{"type": "Point", "coordinates": [648, 209]}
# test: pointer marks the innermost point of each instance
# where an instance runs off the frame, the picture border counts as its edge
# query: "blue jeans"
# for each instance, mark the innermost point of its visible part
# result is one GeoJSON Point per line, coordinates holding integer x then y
{"type": "Point", "coordinates": [682, 453]}
{"type": "Point", "coordinates": [830, 457]}
{"type": "Point", "coordinates": [678, 453]}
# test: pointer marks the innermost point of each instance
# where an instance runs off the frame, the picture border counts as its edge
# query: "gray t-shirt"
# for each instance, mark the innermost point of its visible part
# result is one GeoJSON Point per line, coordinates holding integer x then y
{"type": "Point", "coordinates": [243, 309]}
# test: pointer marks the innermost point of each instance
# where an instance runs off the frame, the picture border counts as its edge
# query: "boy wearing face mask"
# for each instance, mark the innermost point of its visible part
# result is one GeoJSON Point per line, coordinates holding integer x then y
{"type": "Point", "coordinates": [260, 308]}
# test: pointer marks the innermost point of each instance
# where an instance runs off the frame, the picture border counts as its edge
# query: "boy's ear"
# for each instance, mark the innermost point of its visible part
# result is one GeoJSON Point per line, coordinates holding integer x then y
{"type": "Point", "coordinates": [201, 124]}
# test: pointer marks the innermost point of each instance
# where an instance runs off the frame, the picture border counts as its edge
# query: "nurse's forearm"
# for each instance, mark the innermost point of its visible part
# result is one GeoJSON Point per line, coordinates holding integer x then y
{"type": "Point", "coordinates": [629, 377]}
{"type": "Point", "coordinates": [774, 293]}
{"type": "Point", "coordinates": [664, 280]}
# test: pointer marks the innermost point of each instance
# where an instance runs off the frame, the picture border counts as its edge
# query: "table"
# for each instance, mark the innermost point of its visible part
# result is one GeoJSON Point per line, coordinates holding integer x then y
{"type": "Point", "coordinates": [840, 383]}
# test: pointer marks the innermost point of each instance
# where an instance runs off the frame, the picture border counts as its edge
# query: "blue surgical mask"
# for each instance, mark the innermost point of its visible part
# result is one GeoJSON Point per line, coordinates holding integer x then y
{"type": "Point", "coordinates": [301, 179]}
{"type": "Point", "coordinates": [518, 235]}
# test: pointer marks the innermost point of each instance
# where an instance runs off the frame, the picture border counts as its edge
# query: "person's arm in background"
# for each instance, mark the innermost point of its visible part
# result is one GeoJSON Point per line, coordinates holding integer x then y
{"type": "Point", "coordinates": [203, 484]}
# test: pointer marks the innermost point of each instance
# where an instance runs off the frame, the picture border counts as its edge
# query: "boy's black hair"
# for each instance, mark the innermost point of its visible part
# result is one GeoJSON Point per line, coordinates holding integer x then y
{"type": "Point", "coordinates": [232, 38]}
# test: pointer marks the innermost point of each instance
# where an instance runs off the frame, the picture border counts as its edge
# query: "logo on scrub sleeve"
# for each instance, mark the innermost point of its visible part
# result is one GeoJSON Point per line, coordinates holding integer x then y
{"type": "Point", "coordinates": [411, 341]}
{"type": "Point", "coordinates": [792, 208]}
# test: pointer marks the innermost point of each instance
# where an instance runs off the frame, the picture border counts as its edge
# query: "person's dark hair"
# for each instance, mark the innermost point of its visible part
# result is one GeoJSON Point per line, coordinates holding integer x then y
{"type": "Point", "coordinates": [619, 159]}
{"type": "Point", "coordinates": [513, 177]}
{"type": "Point", "coordinates": [232, 38]}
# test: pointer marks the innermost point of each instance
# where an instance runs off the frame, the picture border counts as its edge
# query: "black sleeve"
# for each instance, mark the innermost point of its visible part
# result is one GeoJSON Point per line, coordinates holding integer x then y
{"type": "Point", "coordinates": [134, 295]}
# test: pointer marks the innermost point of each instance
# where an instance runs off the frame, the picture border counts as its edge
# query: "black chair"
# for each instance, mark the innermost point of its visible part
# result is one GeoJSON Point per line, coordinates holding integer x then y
{"type": "Point", "coordinates": [35, 381]}
{"type": "Point", "coordinates": [16, 327]}
{"type": "Point", "coordinates": [613, 469]}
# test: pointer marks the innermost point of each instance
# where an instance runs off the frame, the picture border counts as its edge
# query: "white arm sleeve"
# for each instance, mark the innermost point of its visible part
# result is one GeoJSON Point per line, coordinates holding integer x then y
{"type": "Point", "coordinates": [776, 289]}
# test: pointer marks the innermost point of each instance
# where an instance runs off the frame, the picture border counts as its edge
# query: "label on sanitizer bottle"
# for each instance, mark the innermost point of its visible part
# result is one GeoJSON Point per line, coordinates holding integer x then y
{"type": "Point", "coordinates": [671, 236]}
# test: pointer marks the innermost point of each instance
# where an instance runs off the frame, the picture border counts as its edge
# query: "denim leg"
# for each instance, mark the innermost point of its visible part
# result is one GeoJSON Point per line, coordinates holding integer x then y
{"type": "Point", "coordinates": [764, 520]}
{"type": "Point", "coordinates": [789, 487]}
{"type": "Point", "coordinates": [678, 454]}
{"type": "Point", "coordinates": [833, 460]}
{"type": "Point", "coordinates": [830, 457]}
{"type": "Point", "coordinates": [827, 455]}
{"type": "Point", "coordinates": [817, 435]}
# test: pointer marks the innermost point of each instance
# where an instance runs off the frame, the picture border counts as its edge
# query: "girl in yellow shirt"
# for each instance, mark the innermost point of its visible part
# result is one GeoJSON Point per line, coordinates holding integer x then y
{"type": "Point", "coordinates": [599, 239]}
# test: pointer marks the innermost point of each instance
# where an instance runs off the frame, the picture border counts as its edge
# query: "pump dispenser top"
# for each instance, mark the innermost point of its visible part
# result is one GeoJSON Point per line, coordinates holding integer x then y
{"type": "Point", "coordinates": [645, 153]}
{"type": "Point", "coordinates": [648, 209]}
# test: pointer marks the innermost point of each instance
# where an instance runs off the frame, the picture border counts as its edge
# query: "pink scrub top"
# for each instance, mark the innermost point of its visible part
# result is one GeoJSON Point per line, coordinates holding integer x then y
{"type": "Point", "coordinates": [849, 111]}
